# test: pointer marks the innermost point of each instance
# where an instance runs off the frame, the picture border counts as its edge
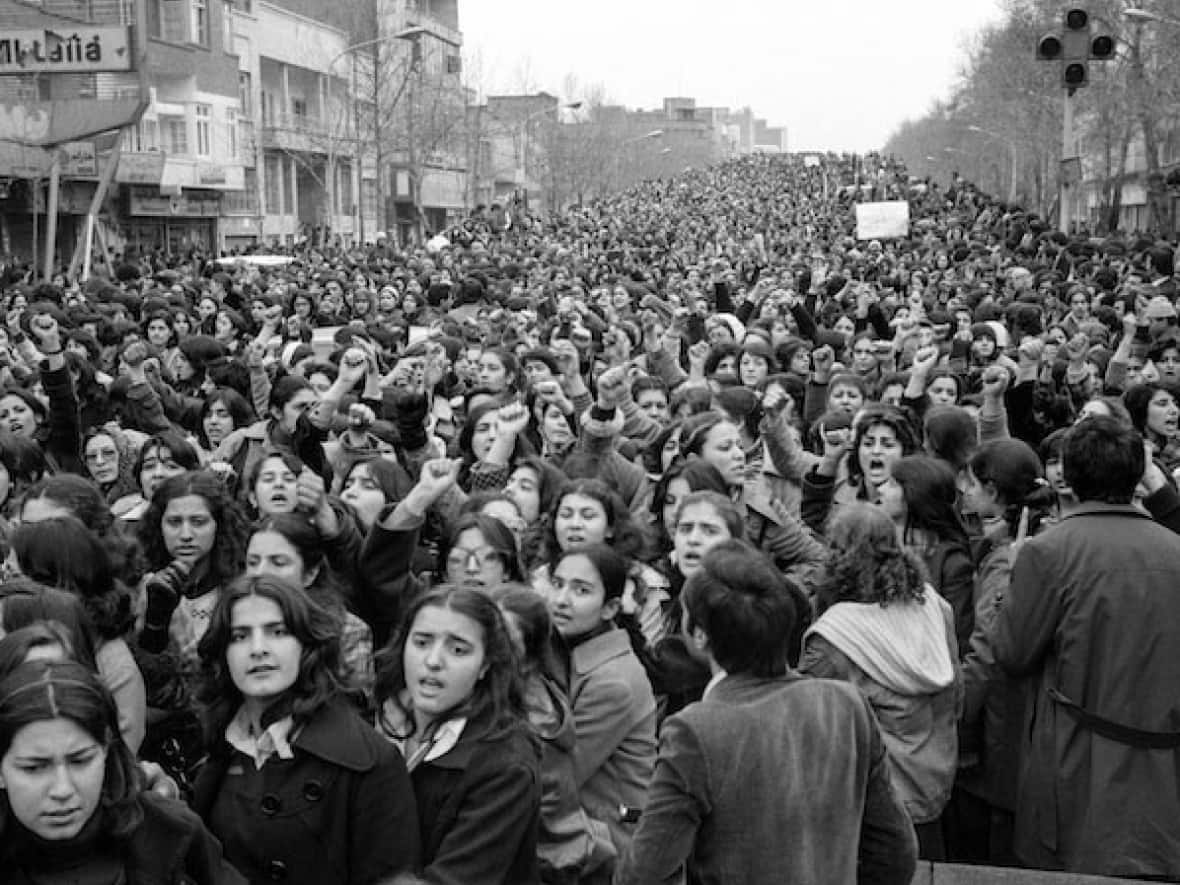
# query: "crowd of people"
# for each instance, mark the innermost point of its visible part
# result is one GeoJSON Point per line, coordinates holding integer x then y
{"type": "Point", "coordinates": [684, 533]}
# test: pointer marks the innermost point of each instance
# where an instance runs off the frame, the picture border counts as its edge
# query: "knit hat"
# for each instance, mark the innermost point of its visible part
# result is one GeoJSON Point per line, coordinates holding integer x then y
{"type": "Point", "coordinates": [1160, 308]}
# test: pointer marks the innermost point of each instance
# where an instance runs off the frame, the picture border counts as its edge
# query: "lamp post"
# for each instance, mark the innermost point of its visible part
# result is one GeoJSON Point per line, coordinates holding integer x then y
{"type": "Point", "coordinates": [526, 139]}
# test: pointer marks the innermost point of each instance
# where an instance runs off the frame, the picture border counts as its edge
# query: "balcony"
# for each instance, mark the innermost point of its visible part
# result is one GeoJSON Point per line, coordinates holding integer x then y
{"type": "Point", "coordinates": [309, 135]}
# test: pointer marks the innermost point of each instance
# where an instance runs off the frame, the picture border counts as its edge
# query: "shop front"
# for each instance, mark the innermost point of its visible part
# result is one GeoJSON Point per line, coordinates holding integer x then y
{"type": "Point", "coordinates": [172, 223]}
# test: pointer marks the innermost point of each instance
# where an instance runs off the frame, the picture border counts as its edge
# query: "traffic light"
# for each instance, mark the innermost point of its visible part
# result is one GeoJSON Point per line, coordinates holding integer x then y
{"type": "Point", "coordinates": [1075, 47]}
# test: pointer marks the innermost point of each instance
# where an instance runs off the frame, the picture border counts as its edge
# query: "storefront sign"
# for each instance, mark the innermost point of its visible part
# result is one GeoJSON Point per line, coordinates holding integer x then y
{"type": "Point", "coordinates": [140, 168]}
{"type": "Point", "coordinates": [79, 159]}
{"type": "Point", "coordinates": [146, 201]}
{"type": "Point", "coordinates": [65, 50]}
{"type": "Point", "coordinates": [210, 174]}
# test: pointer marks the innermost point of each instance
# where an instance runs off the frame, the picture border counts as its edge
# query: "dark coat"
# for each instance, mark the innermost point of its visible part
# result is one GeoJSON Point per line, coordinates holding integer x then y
{"type": "Point", "coordinates": [1093, 614]}
{"type": "Point", "coordinates": [479, 805]}
{"type": "Point", "coordinates": [342, 811]}
{"type": "Point", "coordinates": [170, 847]}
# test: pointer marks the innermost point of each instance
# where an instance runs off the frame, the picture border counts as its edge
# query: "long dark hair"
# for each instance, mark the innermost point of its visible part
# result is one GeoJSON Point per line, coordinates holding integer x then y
{"type": "Point", "coordinates": [42, 690]}
{"type": "Point", "coordinates": [497, 535]}
{"type": "Point", "coordinates": [63, 553]}
{"type": "Point", "coordinates": [317, 630]}
{"type": "Point", "coordinates": [1014, 470]}
{"type": "Point", "coordinates": [224, 561]}
{"type": "Point", "coordinates": [931, 499]}
{"type": "Point", "coordinates": [25, 602]}
{"type": "Point", "coordinates": [627, 535]}
{"type": "Point", "coordinates": [498, 695]}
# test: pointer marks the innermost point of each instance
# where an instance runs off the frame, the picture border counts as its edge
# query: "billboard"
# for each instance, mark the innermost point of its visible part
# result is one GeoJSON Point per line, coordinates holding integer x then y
{"type": "Point", "coordinates": [65, 50]}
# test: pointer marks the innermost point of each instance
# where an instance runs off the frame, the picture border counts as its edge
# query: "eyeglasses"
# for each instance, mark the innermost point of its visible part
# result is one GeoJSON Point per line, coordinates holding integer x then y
{"type": "Point", "coordinates": [460, 557]}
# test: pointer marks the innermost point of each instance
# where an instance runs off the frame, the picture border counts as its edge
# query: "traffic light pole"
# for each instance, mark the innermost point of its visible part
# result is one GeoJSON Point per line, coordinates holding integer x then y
{"type": "Point", "coordinates": [1067, 154]}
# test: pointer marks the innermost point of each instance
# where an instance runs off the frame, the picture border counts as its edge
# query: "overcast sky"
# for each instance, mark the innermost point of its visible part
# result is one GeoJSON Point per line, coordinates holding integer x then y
{"type": "Point", "coordinates": [839, 74]}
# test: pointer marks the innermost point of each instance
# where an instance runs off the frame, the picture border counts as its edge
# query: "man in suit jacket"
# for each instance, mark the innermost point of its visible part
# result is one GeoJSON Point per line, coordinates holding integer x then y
{"type": "Point", "coordinates": [772, 777]}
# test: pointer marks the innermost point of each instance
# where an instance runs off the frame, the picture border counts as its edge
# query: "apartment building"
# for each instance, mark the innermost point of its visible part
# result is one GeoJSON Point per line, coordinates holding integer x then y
{"type": "Point", "coordinates": [166, 91]}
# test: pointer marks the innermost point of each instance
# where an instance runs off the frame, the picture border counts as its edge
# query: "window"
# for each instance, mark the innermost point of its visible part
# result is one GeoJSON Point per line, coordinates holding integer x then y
{"type": "Point", "coordinates": [144, 136]}
{"type": "Point", "coordinates": [231, 128]}
{"type": "Point", "coordinates": [299, 108]}
{"type": "Point", "coordinates": [175, 132]}
{"type": "Point", "coordinates": [200, 23]}
{"type": "Point", "coordinates": [245, 93]}
{"type": "Point", "coordinates": [166, 20]}
{"type": "Point", "coordinates": [274, 178]}
{"type": "Point", "coordinates": [204, 120]}
{"type": "Point", "coordinates": [227, 26]}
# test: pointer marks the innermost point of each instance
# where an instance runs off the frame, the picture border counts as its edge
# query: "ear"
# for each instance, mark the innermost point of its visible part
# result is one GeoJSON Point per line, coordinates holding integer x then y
{"type": "Point", "coordinates": [610, 609]}
{"type": "Point", "coordinates": [310, 577]}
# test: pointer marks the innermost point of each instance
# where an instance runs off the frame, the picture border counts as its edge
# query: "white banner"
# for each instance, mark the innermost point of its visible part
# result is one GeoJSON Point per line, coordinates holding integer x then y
{"type": "Point", "coordinates": [881, 221]}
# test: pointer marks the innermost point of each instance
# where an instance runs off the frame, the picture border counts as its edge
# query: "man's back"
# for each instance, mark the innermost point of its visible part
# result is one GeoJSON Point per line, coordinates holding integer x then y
{"type": "Point", "coordinates": [1093, 609]}
{"type": "Point", "coordinates": [774, 780]}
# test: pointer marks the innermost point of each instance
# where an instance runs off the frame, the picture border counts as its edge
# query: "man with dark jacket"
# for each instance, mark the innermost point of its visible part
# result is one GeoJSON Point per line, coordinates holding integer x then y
{"type": "Point", "coordinates": [772, 777]}
{"type": "Point", "coordinates": [1093, 615]}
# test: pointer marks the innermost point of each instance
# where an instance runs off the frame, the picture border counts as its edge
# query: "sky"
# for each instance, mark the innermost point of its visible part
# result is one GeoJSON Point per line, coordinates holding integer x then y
{"type": "Point", "coordinates": [839, 74]}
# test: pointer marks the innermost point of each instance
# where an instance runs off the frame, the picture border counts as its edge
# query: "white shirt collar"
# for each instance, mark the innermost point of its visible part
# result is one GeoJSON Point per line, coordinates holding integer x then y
{"type": "Point", "coordinates": [275, 739]}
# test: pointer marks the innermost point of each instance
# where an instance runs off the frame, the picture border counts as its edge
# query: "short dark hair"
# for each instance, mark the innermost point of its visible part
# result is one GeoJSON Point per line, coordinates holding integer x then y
{"type": "Point", "coordinates": [745, 607]}
{"type": "Point", "coordinates": [1103, 460]}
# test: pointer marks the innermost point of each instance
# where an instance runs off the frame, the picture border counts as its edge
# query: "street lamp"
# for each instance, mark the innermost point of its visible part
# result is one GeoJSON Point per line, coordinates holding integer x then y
{"type": "Point", "coordinates": [1136, 14]}
{"type": "Point", "coordinates": [655, 133]}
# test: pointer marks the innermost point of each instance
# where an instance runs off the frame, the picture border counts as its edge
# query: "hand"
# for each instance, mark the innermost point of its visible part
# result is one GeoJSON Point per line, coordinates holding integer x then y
{"type": "Point", "coordinates": [698, 354]}
{"type": "Point", "coordinates": [134, 355]}
{"type": "Point", "coordinates": [156, 780]}
{"type": "Point", "coordinates": [1076, 348]}
{"type": "Point", "coordinates": [310, 494]}
{"type": "Point", "coordinates": [272, 316]}
{"type": "Point", "coordinates": [925, 359]}
{"type": "Point", "coordinates": [549, 391]}
{"type": "Point", "coordinates": [353, 367]}
{"type": "Point", "coordinates": [837, 443]}
{"type": "Point", "coordinates": [437, 477]}
{"type": "Point", "coordinates": [512, 419]}
{"type": "Point", "coordinates": [823, 358]}
{"type": "Point", "coordinates": [1154, 477]}
{"type": "Point", "coordinates": [775, 400]}
{"type": "Point", "coordinates": [995, 381]}
{"type": "Point", "coordinates": [1130, 325]}
{"type": "Point", "coordinates": [224, 471]}
{"type": "Point", "coordinates": [12, 320]}
{"type": "Point", "coordinates": [255, 353]}
{"type": "Point", "coordinates": [568, 361]}
{"type": "Point", "coordinates": [1030, 352]}
{"type": "Point", "coordinates": [612, 387]}
{"type": "Point", "coordinates": [45, 329]}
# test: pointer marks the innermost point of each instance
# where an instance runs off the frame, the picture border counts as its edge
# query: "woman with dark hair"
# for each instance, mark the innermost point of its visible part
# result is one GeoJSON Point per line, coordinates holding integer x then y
{"type": "Point", "coordinates": [336, 804]}
{"type": "Point", "coordinates": [951, 434]}
{"type": "Point", "coordinates": [63, 553]}
{"type": "Point", "coordinates": [40, 641]}
{"type": "Point", "coordinates": [110, 461]}
{"type": "Point", "coordinates": [856, 461]}
{"type": "Point", "coordinates": [223, 411]}
{"type": "Point", "coordinates": [499, 371]}
{"type": "Point", "coordinates": [921, 497]}
{"type": "Point", "coordinates": [57, 425]}
{"type": "Point", "coordinates": [371, 486]}
{"type": "Point", "coordinates": [882, 628]}
{"type": "Point", "coordinates": [287, 428]}
{"type": "Point", "coordinates": [572, 846]}
{"type": "Point", "coordinates": [717, 440]}
{"type": "Point", "coordinates": [163, 455]}
{"type": "Point", "coordinates": [1155, 414]}
{"type": "Point", "coordinates": [611, 698]}
{"type": "Point", "coordinates": [481, 552]}
{"type": "Point", "coordinates": [193, 536]}
{"type": "Point", "coordinates": [449, 695]}
{"type": "Point", "coordinates": [191, 364]}
{"type": "Point", "coordinates": [1006, 486]}
{"type": "Point", "coordinates": [97, 824]}
{"type": "Point", "coordinates": [289, 546]}
{"type": "Point", "coordinates": [24, 602]}
{"type": "Point", "coordinates": [22, 464]}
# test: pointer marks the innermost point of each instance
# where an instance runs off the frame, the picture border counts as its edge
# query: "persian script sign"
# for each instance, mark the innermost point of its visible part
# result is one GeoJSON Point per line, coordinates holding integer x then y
{"type": "Point", "coordinates": [65, 50]}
